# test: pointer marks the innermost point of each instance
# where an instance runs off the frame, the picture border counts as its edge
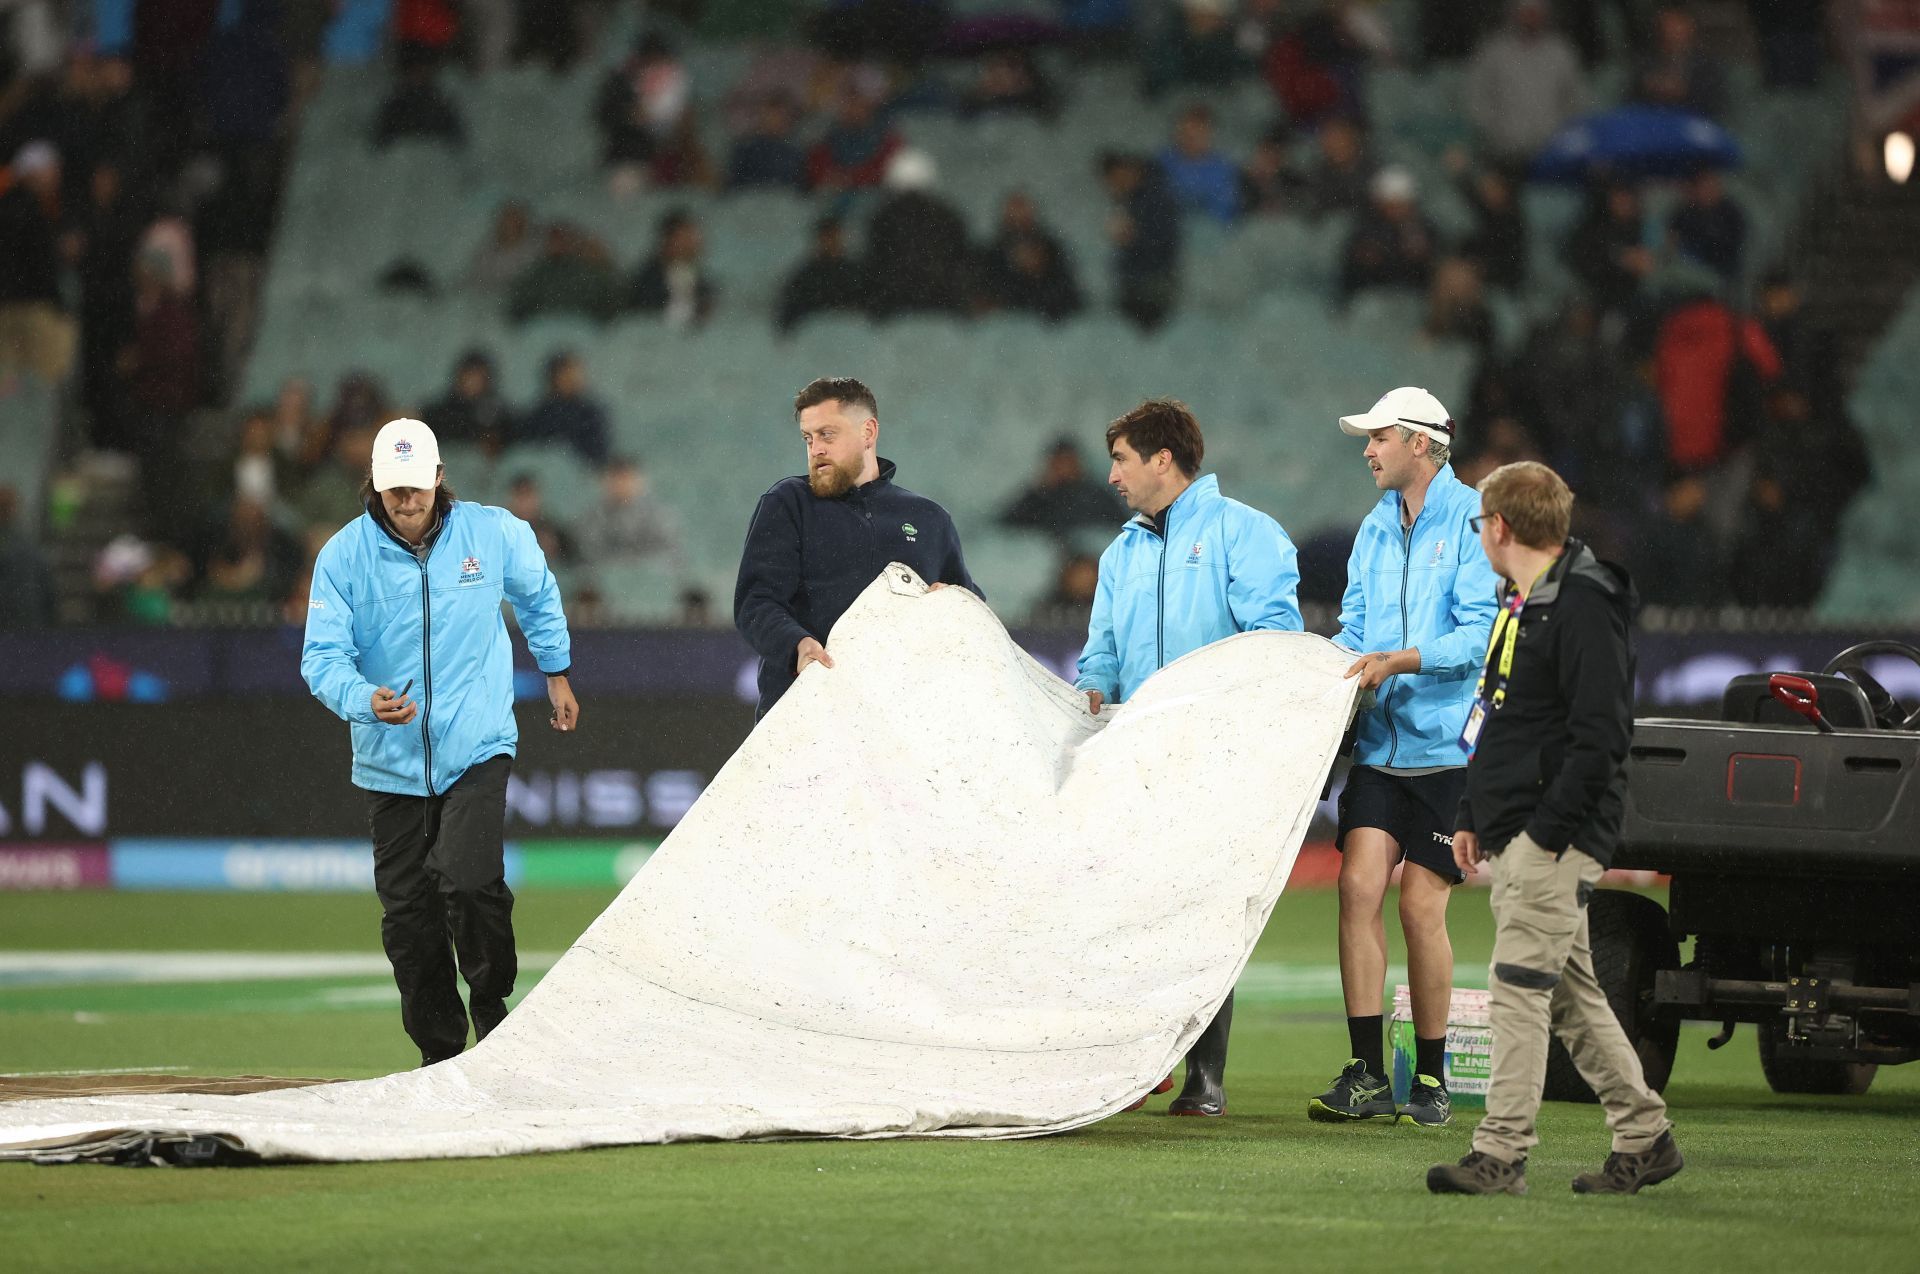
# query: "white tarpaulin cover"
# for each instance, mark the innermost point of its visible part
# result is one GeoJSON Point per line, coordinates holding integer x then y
{"type": "Point", "coordinates": [929, 895]}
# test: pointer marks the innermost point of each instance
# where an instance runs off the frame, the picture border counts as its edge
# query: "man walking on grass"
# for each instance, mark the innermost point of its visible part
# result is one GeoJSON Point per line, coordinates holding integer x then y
{"type": "Point", "coordinates": [1549, 731]}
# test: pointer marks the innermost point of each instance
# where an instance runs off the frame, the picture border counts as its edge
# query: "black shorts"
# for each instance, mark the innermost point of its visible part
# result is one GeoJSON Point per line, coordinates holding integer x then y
{"type": "Point", "coordinates": [1417, 810]}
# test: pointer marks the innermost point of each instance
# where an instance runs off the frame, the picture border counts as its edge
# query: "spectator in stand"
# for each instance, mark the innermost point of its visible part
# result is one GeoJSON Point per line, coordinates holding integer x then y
{"type": "Point", "coordinates": [1572, 386]}
{"type": "Point", "coordinates": [1316, 69]}
{"type": "Point", "coordinates": [1025, 268]}
{"type": "Point", "coordinates": [628, 525]}
{"type": "Point", "coordinates": [568, 415]}
{"type": "Point", "coordinates": [1710, 228]}
{"type": "Point", "coordinates": [511, 245]}
{"type": "Point", "coordinates": [857, 147]}
{"type": "Point", "coordinates": [299, 430]}
{"type": "Point", "coordinates": [1675, 561]}
{"type": "Point", "coordinates": [1677, 72]}
{"type": "Point", "coordinates": [673, 283]}
{"type": "Point", "coordinates": [918, 253]}
{"type": "Point", "coordinates": [827, 280]}
{"type": "Point", "coordinates": [1792, 38]}
{"type": "Point", "coordinates": [1505, 441]}
{"type": "Point", "coordinates": [1523, 84]}
{"type": "Point", "coordinates": [574, 275]}
{"type": "Point", "coordinates": [89, 116]}
{"type": "Point", "coordinates": [418, 109]}
{"type": "Point", "coordinates": [1711, 366]}
{"type": "Point", "coordinates": [27, 594]}
{"type": "Point", "coordinates": [1608, 251]}
{"type": "Point", "coordinates": [1392, 244]}
{"type": "Point", "coordinates": [162, 379]}
{"type": "Point", "coordinates": [1342, 172]}
{"type": "Point", "coordinates": [1145, 230]}
{"type": "Point", "coordinates": [36, 333]}
{"type": "Point", "coordinates": [260, 472]}
{"type": "Point", "coordinates": [330, 497]}
{"type": "Point", "coordinates": [1196, 48]}
{"type": "Point", "coordinates": [1822, 460]}
{"type": "Point", "coordinates": [472, 412]}
{"type": "Point", "coordinates": [1062, 499]}
{"type": "Point", "coordinates": [1070, 604]}
{"type": "Point", "coordinates": [769, 158]}
{"type": "Point", "coordinates": [1497, 244]}
{"type": "Point", "coordinates": [1457, 305]}
{"type": "Point", "coordinates": [253, 561]}
{"type": "Point", "coordinates": [424, 31]}
{"type": "Point", "coordinates": [549, 32]}
{"type": "Point", "coordinates": [1269, 187]}
{"type": "Point", "coordinates": [1811, 360]}
{"type": "Point", "coordinates": [642, 104]}
{"type": "Point", "coordinates": [1201, 178]}
{"type": "Point", "coordinates": [113, 219]}
{"type": "Point", "coordinates": [1010, 82]}
{"type": "Point", "coordinates": [527, 502]}
{"type": "Point", "coordinates": [1780, 557]}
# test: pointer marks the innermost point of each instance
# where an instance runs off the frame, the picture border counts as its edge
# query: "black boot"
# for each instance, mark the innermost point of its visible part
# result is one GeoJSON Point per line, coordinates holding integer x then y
{"type": "Point", "coordinates": [1205, 1091]}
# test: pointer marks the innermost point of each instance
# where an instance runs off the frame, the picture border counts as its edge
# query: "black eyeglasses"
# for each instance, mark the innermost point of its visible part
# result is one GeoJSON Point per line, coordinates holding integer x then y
{"type": "Point", "coordinates": [1478, 518]}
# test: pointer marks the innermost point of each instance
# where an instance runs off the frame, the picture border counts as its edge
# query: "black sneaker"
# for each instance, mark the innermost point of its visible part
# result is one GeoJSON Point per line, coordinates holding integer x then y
{"type": "Point", "coordinates": [1428, 1103]}
{"type": "Point", "coordinates": [1478, 1174]}
{"type": "Point", "coordinates": [1625, 1174]}
{"type": "Point", "coordinates": [1356, 1095]}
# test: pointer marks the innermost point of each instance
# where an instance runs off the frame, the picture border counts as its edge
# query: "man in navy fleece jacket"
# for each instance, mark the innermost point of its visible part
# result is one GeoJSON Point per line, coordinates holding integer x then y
{"type": "Point", "coordinates": [817, 541]}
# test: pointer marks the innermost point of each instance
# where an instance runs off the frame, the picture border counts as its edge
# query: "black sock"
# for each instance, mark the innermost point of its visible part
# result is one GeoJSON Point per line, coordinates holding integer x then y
{"type": "Point", "coordinates": [1363, 1038]}
{"type": "Point", "coordinates": [1430, 1058]}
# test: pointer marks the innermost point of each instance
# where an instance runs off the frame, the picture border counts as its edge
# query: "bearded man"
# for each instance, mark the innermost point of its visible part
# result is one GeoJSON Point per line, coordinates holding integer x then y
{"type": "Point", "coordinates": [817, 541]}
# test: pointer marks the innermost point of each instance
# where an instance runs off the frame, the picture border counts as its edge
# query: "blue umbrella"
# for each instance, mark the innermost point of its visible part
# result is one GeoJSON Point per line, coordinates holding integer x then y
{"type": "Point", "coordinates": [1635, 141]}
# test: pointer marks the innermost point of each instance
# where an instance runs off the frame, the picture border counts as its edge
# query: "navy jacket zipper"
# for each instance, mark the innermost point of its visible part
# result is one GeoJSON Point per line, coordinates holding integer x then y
{"type": "Point", "coordinates": [426, 668]}
{"type": "Point", "coordinates": [1160, 600]}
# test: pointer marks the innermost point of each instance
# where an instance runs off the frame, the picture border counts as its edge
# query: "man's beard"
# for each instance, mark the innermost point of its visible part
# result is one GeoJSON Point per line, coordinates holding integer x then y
{"type": "Point", "coordinates": [833, 482]}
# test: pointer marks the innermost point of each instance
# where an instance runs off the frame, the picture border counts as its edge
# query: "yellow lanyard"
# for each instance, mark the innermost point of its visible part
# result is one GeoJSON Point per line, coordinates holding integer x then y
{"type": "Point", "coordinates": [1506, 624]}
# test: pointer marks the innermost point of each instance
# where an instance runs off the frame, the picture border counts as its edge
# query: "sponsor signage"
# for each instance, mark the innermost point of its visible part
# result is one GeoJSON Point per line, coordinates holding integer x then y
{"type": "Point", "coordinates": [245, 770]}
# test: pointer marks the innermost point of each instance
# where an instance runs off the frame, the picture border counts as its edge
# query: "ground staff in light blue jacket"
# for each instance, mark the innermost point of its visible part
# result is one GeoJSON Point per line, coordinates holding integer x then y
{"type": "Point", "coordinates": [408, 595]}
{"type": "Point", "coordinates": [1191, 568]}
{"type": "Point", "coordinates": [1418, 609]}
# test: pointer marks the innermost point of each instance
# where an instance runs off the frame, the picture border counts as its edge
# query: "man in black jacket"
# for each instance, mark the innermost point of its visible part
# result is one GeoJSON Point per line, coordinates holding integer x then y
{"type": "Point", "coordinates": [1548, 736]}
{"type": "Point", "coordinates": [817, 541]}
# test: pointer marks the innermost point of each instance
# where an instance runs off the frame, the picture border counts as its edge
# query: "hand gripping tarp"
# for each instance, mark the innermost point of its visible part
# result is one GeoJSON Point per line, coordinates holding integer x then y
{"type": "Point", "coordinates": [929, 896]}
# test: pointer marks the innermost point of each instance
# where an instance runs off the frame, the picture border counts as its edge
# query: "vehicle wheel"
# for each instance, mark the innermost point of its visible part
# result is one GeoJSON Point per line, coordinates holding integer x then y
{"type": "Point", "coordinates": [1631, 943]}
{"type": "Point", "coordinates": [1789, 1074]}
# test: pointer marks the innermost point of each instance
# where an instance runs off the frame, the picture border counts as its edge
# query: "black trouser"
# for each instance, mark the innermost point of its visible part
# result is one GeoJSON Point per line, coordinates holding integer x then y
{"type": "Point", "coordinates": [439, 866]}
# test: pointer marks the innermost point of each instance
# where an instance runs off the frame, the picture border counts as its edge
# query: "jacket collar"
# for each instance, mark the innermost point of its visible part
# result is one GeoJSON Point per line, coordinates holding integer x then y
{"type": "Point", "coordinates": [1202, 490]}
{"type": "Point", "coordinates": [887, 470]}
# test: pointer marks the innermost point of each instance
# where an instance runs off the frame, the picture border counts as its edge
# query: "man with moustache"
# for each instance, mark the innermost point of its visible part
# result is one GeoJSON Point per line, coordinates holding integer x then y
{"type": "Point", "coordinates": [817, 541]}
{"type": "Point", "coordinates": [1418, 607]}
{"type": "Point", "coordinates": [1190, 568]}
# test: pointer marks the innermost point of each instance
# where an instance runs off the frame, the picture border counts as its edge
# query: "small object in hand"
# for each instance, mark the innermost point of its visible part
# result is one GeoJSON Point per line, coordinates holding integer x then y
{"type": "Point", "coordinates": [405, 688]}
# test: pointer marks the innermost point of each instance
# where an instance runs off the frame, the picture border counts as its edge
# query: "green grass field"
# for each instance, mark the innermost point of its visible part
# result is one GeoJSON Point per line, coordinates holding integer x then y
{"type": "Point", "coordinates": [1772, 1183]}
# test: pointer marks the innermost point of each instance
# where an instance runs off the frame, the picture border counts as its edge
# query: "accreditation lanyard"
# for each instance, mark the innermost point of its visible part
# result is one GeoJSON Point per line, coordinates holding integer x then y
{"type": "Point", "coordinates": [1504, 638]}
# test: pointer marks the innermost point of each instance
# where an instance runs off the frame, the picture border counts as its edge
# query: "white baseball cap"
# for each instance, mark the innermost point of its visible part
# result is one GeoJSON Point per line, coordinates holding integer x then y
{"type": "Point", "coordinates": [405, 454]}
{"type": "Point", "coordinates": [1409, 406]}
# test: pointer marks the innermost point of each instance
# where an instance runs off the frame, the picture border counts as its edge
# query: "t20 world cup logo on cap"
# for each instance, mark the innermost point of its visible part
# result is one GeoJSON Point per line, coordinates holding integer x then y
{"type": "Point", "coordinates": [402, 449]}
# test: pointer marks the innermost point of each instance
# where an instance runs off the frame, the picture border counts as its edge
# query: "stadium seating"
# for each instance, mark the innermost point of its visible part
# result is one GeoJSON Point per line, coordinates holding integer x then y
{"type": "Point", "coordinates": [1256, 346]}
{"type": "Point", "coordinates": [1877, 576]}
{"type": "Point", "coordinates": [29, 420]}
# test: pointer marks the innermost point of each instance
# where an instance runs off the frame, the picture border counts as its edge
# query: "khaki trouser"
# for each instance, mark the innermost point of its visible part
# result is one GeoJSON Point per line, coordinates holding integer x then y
{"type": "Point", "coordinates": [1542, 979]}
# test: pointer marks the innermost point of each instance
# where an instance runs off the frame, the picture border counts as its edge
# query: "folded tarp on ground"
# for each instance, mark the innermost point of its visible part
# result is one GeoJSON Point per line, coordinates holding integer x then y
{"type": "Point", "coordinates": [929, 896]}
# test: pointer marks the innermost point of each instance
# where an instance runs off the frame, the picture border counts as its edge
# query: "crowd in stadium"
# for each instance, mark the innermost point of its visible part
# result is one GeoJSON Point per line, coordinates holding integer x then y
{"type": "Point", "coordinates": [1705, 429]}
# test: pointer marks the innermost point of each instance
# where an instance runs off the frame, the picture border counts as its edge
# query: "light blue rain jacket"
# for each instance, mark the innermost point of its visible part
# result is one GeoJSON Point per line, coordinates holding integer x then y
{"type": "Point", "coordinates": [1427, 586]}
{"type": "Point", "coordinates": [377, 616]}
{"type": "Point", "coordinates": [1223, 568]}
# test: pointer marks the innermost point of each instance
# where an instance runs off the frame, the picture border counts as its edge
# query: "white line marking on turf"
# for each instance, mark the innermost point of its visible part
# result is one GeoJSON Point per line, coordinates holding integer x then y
{"type": "Point", "coordinates": [20, 969]}
{"type": "Point", "coordinates": [111, 1070]}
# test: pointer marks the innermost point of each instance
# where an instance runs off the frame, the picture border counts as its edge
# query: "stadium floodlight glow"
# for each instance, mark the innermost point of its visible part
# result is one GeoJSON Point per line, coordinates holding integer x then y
{"type": "Point", "coordinates": [1899, 157]}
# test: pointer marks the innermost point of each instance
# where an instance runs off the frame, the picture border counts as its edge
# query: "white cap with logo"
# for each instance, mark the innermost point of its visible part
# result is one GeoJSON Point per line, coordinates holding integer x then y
{"type": "Point", "coordinates": [1414, 408]}
{"type": "Point", "coordinates": [405, 454]}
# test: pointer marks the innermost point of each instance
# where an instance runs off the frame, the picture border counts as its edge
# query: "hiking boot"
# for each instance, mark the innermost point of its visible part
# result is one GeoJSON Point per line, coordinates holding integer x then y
{"type": "Point", "coordinates": [1478, 1174]}
{"type": "Point", "coordinates": [1428, 1104]}
{"type": "Point", "coordinates": [1625, 1174]}
{"type": "Point", "coordinates": [1357, 1094]}
{"type": "Point", "coordinates": [1205, 1092]}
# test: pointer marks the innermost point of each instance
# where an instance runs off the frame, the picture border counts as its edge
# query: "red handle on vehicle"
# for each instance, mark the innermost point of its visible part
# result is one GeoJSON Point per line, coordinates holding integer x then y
{"type": "Point", "coordinates": [1800, 695]}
